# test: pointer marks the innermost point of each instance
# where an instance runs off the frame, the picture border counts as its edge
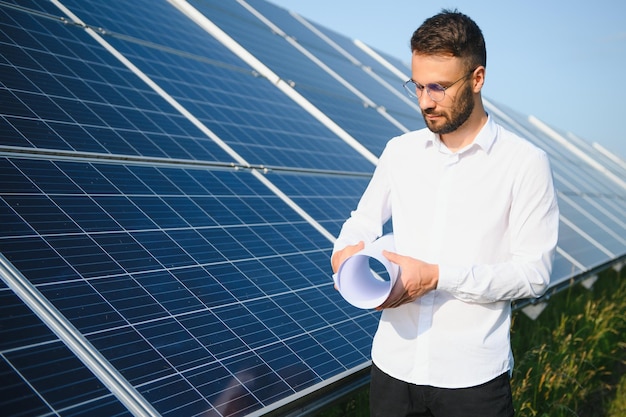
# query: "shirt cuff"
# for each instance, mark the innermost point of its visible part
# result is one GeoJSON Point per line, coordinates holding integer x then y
{"type": "Point", "coordinates": [450, 277]}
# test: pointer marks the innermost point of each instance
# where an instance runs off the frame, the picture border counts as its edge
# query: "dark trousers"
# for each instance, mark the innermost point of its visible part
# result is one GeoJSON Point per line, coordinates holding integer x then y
{"type": "Point", "coordinates": [390, 397]}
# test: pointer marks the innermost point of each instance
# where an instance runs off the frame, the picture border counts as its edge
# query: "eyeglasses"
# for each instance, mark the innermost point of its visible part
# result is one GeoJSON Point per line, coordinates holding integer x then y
{"type": "Point", "coordinates": [435, 91]}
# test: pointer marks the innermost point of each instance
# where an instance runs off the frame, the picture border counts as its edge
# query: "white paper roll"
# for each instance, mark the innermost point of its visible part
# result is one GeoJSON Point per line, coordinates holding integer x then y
{"type": "Point", "coordinates": [358, 284]}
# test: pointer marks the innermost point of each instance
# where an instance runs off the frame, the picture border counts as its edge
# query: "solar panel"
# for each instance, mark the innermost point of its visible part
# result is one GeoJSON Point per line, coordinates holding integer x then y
{"type": "Point", "coordinates": [168, 208]}
{"type": "Point", "coordinates": [160, 297]}
{"type": "Point", "coordinates": [244, 110]}
{"type": "Point", "coordinates": [330, 89]}
{"type": "Point", "coordinates": [65, 92]}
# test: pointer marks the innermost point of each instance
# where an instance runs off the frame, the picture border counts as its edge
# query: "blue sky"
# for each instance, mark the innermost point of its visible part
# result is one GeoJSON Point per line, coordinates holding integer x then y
{"type": "Point", "coordinates": [562, 62]}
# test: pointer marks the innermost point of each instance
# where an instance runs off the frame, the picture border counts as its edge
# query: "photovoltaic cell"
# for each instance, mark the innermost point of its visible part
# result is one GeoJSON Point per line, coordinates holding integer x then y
{"type": "Point", "coordinates": [40, 375]}
{"type": "Point", "coordinates": [96, 104]}
{"type": "Point", "coordinates": [355, 67]}
{"type": "Point", "coordinates": [138, 293]}
{"type": "Point", "coordinates": [174, 258]}
{"type": "Point", "coordinates": [319, 87]}
{"type": "Point", "coordinates": [243, 109]}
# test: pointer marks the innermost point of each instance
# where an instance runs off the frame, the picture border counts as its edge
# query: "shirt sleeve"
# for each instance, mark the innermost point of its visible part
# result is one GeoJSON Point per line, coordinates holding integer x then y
{"type": "Point", "coordinates": [372, 212]}
{"type": "Point", "coordinates": [533, 226]}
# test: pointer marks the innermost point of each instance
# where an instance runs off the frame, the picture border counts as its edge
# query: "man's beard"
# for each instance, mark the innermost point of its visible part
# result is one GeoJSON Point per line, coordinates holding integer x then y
{"type": "Point", "coordinates": [461, 111]}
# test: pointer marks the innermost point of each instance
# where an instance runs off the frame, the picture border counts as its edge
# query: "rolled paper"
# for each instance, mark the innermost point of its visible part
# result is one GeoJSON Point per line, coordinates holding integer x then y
{"type": "Point", "coordinates": [358, 284]}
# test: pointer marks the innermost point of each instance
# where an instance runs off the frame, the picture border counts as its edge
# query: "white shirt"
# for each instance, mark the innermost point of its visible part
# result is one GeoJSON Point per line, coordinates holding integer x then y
{"type": "Point", "coordinates": [488, 216]}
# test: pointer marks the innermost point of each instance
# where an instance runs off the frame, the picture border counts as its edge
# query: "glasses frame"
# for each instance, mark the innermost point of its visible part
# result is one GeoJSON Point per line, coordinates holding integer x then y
{"type": "Point", "coordinates": [431, 88]}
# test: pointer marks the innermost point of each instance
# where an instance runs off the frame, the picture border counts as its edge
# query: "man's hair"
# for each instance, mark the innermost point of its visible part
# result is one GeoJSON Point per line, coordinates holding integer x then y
{"type": "Point", "coordinates": [451, 33]}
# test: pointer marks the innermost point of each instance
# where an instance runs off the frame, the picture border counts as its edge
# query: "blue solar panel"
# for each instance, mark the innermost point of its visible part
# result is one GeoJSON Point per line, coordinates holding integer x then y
{"type": "Point", "coordinates": [40, 375]}
{"type": "Point", "coordinates": [181, 230]}
{"type": "Point", "coordinates": [350, 62]}
{"type": "Point", "coordinates": [318, 86]}
{"type": "Point", "coordinates": [244, 110]}
{"type": "Point", "coordinates": [83, 99]}
{"type": "Point", "coordinates": [159, 296]}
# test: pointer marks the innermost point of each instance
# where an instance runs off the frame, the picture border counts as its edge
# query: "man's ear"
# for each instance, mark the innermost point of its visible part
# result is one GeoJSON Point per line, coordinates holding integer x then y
{"type": "Point", "coordinates": [478, 79]}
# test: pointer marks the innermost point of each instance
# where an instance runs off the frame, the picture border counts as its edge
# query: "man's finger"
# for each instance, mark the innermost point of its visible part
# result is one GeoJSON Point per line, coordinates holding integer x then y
{"type": "Point", "coordinates": [394, 257]}
{"type": "Point", "coordinates": [340, 256]}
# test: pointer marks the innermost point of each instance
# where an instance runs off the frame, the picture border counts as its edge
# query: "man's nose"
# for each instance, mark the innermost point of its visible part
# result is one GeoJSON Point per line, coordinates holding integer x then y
{"type": "Point", "coordinates": [425, 101]}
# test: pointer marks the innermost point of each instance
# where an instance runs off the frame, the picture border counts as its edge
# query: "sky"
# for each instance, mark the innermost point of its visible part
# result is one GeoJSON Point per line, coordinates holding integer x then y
{"type": "Point", "coordinates": [560, 61]}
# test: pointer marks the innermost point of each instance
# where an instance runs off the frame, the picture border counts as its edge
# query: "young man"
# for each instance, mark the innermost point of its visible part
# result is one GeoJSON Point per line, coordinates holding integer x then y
{"type": "Point", "coordinates": [475, 222]}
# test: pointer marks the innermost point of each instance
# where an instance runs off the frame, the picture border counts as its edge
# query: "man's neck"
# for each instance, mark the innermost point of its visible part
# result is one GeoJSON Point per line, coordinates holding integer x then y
{"type": "Point", "coordinates": [467, 132]}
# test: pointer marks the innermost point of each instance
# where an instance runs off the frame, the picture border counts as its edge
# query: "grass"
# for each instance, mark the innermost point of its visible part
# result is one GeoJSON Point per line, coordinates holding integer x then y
{"type": "Point", "coordinates": [617, 407]}
{"type": "Point", "coordinates": [567, 359]}
{"type": "Point", "coordinates": [570, 361]}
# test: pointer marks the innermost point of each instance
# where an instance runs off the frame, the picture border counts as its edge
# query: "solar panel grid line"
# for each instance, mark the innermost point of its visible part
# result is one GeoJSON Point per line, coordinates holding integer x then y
{"type": "Point", "coordinates": [283, 85]}
{"type": "Point", "coordinates": [64, 75]}
{"type": "Point", "coordinates": [607, 159]}
{"type": "Point", "coordinates": [608, 209]}
{"type": "Point", "coordinates": [21, 405]}
{"type": "Point", "coordinates": [368, 70]}
{"type": "Point", "coordinates": [69, 234]}
{"type": "Point", "coordinates": [187, 114]}
{"type": "Point", "coordinates": [582, 155]}
{"type": "Point", "coordinates": [286, 401]}
{"type": "Point", "coordinates": [39, 396]}
{"type": "Point", "coordinates": [173, 51]}
{"type": "Point", "coordinates": [160, 332]}
{"type": "Point", "coordinates": [326, 39]}
{"type": "Point", "coordinates": [384, 62]}
{"type": "Point", "coordinates": [67, 155]}
{"type": "Point", "coordinates": [145, 230]}
{"type": "Point", "coordinates": [293, 42]}
{"type": "Point", "coordinates": [113, 23]}
{"type": "Point", "coordinates": [572, 260]}
{"type": "Point", "coordinates": [364, 98]}
{"type": "Point", "coordinates": [616, 159]}
{"type": "Point", "coordinates": [404, 97]}
{"type": "Point", "coordinates": [585, 235]}
{"type": "Point", "coordinates": [34, 12]}
{"type": "Point", "coordinates": [260, 345]}
{"type": "Point", "coordinates": [323, 44]}
{"type": "Point", "coordinates": [559, 154]}
{"type": "Point", "coordinates": [295, 395]}
{"type": "Point", "coordinates": [74, 340]}
{"type": "Point", "coordinates": [295, 206]}
{"type": "Point", "coordinates": [599, 224]}
{"type": "Point", "coordinates": [167, 97]}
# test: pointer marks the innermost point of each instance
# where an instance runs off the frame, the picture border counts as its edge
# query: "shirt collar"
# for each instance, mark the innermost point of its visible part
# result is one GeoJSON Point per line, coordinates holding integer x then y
{"type": "Point", "coordinates": [484, 140]}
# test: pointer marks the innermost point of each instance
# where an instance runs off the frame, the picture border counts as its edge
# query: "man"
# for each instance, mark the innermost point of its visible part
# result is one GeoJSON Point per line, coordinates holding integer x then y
{"type": "Point", "coordinates": [475, 223]}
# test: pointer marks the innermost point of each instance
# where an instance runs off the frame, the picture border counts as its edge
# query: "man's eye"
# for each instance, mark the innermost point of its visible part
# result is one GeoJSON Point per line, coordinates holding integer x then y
{"type": "Point", "coordinates": [435, 87]}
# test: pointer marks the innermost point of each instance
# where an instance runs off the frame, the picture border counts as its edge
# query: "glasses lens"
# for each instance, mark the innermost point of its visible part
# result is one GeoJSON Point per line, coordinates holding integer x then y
{"type": "Point", "coordinates": [436, 92]}
{"type": "Point", "coordinates": [412, 89]}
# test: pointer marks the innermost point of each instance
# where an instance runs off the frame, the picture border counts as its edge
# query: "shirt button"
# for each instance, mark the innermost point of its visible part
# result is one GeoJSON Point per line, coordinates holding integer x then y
{"type": "Point", "coordinates": [453, 159]}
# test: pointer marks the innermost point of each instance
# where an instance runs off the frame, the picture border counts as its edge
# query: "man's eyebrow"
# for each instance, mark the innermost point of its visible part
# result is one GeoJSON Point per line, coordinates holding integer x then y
{"type": "Point", "coordinates": [441, 83]}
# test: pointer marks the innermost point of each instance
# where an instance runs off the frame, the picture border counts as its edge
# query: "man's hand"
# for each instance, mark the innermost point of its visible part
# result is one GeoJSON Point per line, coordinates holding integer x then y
{"type": "Point", "coordinates": [344, 254]}
{"type": "Point", "coordinates": [416, 279]}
